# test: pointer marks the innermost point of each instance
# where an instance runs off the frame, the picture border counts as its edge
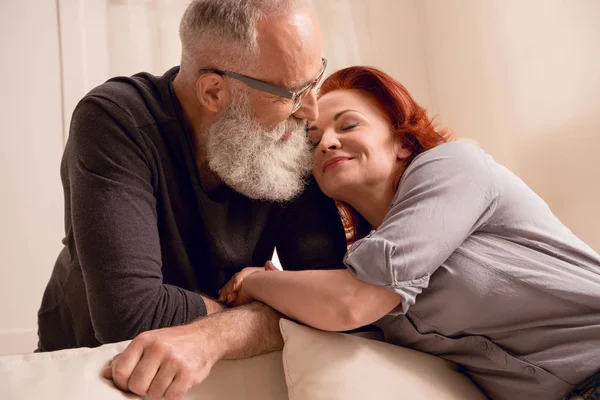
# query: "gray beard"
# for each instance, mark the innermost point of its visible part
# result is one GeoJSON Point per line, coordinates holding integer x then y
{"type": "Point", "coordinates": [253, 160]}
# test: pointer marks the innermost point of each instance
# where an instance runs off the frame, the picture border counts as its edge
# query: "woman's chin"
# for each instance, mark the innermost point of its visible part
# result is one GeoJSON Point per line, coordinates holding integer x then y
{"type": "Point", "coordinates": [334, 189]}
{"type": "Point", "coordinates": [336, 183]}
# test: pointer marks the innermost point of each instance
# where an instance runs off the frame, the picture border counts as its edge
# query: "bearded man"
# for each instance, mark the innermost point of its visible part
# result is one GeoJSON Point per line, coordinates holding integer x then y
{"type": "Point", "coordinates": [175, 183]}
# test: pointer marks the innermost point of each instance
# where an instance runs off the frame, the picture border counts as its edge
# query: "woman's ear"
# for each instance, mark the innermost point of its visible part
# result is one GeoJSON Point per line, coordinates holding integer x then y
{"type": "Point", "coordinates": [401, 151]}
{"type": "Point", "coordinates": [212, 92]}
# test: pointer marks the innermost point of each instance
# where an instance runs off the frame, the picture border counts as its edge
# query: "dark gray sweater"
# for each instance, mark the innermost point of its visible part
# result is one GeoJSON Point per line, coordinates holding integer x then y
{"type": "Point", "coordinates": [143, 238]}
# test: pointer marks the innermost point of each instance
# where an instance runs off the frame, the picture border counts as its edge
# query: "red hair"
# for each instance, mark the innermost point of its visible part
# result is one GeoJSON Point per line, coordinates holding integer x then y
{"type": "Point", "coordinates": [407, 119]}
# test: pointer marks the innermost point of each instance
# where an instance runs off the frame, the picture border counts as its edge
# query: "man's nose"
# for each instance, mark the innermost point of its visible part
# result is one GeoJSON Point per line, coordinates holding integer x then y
{"type": "Point", "coordinates": [308, 108]}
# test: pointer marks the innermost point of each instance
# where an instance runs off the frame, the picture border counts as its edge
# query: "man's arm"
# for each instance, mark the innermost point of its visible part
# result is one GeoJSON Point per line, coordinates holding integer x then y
{"type": "Point", "coordinates": [168, 362]}
{"type": "Point", "coordinates": [244, 332]}
{"type": "Point", "coordinates": [109, 181]}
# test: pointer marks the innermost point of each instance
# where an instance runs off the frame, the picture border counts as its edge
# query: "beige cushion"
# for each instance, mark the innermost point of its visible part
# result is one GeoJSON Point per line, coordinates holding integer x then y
{"type": "Point", "coordinates": [75, 375]}
{"type": "Point", "coordinates": [318, 365]}
{"type": "Point", "coordinates": [326, 365]}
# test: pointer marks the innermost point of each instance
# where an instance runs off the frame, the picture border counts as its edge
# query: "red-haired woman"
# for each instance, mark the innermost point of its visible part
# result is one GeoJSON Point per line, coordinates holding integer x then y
{"type": "Point", "coordinates": [452, 254]}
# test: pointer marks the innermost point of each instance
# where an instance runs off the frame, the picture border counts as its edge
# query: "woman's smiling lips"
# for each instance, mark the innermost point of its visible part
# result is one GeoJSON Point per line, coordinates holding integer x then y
{"type": "Point", "coordinates": [335, 161]}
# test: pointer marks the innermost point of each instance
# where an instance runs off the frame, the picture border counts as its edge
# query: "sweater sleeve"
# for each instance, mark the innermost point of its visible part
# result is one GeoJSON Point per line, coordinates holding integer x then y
{"type": "Point", "coordinates": [445, 195]}
{"type": "Point", "coordinates": [109, 180]}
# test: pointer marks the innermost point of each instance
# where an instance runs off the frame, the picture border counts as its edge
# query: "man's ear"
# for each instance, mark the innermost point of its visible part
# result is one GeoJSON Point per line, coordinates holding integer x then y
{"type": "Point", "coordinates": [212, 92]}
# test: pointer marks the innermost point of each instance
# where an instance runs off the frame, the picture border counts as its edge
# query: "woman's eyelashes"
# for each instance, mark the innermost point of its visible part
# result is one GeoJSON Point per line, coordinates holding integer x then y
{"type": "Point", "coordinates": [349, 127]}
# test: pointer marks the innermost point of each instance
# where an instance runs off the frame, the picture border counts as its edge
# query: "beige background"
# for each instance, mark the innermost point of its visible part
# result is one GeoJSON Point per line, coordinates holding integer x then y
{"type": "Point", "coordinates": [31, 200]}
{"type": "Point", "coordinates": [521, 77]}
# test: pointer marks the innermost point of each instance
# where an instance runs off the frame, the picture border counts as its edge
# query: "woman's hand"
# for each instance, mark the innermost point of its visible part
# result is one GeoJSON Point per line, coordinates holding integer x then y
{"type": "Point", "coordinates": [232, 293]}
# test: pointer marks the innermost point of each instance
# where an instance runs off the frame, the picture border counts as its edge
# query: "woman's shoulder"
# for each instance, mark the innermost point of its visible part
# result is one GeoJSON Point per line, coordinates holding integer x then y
{"type": "Point", "coordinates": [449, 159]}
{"type": "Point", "coordinates": [459, 151]}
{"type": "Point", "coordinates": [453, 166]}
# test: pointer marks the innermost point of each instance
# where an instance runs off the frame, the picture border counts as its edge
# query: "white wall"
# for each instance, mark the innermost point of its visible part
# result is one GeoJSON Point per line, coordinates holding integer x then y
{"type": "Point", "coordinates": [523, 79]}
{"type": "Point", "coordinates": [31, 204]}
{"type": "Point", "coordinates": [83, 50]}
{"type": "Point", "coordinates": [143, 35]}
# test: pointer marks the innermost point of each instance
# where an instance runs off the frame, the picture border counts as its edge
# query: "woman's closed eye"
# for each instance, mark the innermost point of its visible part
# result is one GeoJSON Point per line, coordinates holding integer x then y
{"type": "Point", "coordinates": [349, 127]}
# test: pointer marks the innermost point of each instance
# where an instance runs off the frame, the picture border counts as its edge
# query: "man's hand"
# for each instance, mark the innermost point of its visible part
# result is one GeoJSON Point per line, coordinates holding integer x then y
{"type": "Point", "coordinates": [164, 363]}
{"type": "Point", "coordinates": [232, 293]}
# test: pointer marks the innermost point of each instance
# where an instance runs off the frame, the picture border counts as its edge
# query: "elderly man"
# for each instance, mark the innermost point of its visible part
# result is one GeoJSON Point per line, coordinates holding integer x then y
{"type": "Point", "coordinates": [175, 183]}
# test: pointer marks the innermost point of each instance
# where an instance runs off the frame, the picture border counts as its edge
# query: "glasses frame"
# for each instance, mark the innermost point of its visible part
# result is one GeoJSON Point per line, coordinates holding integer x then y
{"type": "Point", "coordinates": [296, 97]}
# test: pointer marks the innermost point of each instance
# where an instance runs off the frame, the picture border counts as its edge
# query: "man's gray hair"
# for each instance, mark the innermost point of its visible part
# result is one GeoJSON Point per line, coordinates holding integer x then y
{"type": "Point", "coordinates": [228, 27]}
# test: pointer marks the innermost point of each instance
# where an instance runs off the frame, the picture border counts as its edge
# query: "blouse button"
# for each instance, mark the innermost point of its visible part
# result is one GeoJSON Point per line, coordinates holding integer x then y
{"type": "Point", "coordinates": [530, 370]}
{"type": "Point", "coordinates": [483, 346]}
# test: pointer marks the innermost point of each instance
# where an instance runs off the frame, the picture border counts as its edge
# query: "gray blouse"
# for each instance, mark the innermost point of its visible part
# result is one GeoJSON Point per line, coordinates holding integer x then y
{"type": "Point", "coordinates": [490, 279]}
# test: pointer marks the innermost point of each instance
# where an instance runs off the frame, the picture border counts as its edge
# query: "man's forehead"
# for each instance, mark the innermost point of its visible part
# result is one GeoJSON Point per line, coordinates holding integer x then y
{"type": "Point", "coordinates": [303, 76]}
{"type": "Point", "coordinates": [290, 49]}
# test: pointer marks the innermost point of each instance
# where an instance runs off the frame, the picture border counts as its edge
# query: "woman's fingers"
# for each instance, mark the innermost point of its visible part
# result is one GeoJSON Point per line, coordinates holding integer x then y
{"type": "Point", "coordinates": [229, 293]}
{"type": "Point", "coordinates": [269, 266]}
{"type": "Point", "coordinates": [231, 297]}
{"type": "Point", "coordinates": [237, 280]}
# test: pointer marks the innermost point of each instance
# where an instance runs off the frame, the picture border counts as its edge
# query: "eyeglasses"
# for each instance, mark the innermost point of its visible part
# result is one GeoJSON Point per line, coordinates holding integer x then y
{"type": "Point", "coordinates": [296, 97]}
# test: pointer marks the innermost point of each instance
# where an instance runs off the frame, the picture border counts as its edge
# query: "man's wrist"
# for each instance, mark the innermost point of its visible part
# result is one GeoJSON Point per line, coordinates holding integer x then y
{"type": "Point", "coordinates": [238, 332]}
{"type": "Point", "coordinates": [208, 334]}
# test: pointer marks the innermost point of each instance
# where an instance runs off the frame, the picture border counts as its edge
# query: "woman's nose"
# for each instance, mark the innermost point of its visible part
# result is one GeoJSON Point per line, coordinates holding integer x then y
{"type": "Point", "coordinates": [329, 141]}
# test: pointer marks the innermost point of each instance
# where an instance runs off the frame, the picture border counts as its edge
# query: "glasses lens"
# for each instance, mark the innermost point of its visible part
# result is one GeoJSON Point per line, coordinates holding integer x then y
{"type": "Point", "coordinates": [297, 102]}
{"type": "Point", "coordinates": [301, 95]}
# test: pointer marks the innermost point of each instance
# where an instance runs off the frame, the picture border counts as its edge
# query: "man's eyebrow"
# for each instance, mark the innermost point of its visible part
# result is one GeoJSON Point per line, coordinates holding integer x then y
{"type": "Point", "coordinates": [300, 86]}
{"type": "Point", "coordinates": [335, 118]}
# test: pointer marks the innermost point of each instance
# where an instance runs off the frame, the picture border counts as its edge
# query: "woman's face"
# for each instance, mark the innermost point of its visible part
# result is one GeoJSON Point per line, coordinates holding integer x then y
{"type": "Point", "coordinates": [355, 149]}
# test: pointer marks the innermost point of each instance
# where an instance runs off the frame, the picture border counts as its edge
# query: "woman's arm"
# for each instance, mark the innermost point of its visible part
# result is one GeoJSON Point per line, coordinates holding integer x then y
{"type": "Point", "coordinates": [331, 300]}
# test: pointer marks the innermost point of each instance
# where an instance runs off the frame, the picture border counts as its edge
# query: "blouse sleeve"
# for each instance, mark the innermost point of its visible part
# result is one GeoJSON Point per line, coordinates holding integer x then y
{"type": "Point", "coordinates": [444, 196]}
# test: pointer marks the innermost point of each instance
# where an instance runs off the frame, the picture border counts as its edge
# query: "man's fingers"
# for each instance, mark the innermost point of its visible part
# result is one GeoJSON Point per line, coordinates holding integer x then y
{"type": "Point", "coordinates": [161, 382]}
{"type": "Point", "coordinates": [178, 388]}
{"type": "Point", "coordinates": [107, 371]}
{"type": "Point", "coordinates": [145, 371]}
{"type": "Point", "coordinates": [123, 366]}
